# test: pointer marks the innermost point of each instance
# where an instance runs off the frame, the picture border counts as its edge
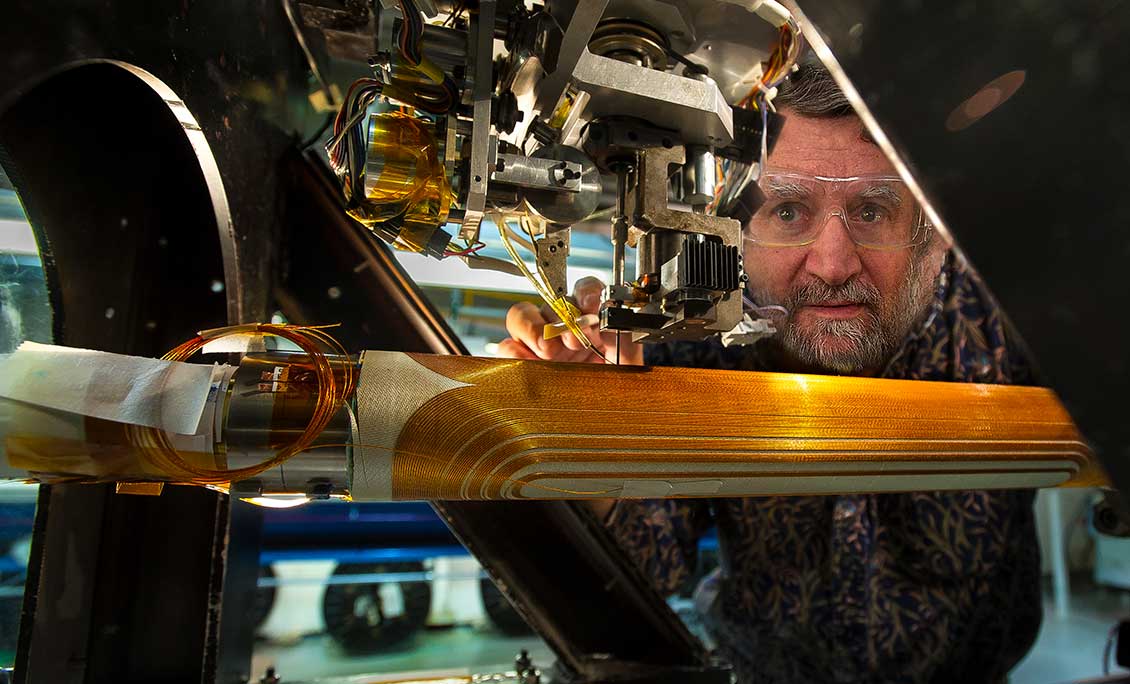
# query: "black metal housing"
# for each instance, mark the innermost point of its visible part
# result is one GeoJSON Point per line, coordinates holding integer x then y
{"type": "Point", "coordinates": [1032, 185]}
{"type": "Point", "coordinates": [127, 228]}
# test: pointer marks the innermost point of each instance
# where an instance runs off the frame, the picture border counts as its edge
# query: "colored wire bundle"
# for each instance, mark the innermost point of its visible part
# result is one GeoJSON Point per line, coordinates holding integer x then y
{"type": "Point", "coordinates": [777, 68]}
{"type": "Point", "coordinates": [737, 176]}
{"type": "Point", "coordinates": [411, 33]}
{"type": "Point", "coordinates": [333, 392]}
{"type": "Point", "coordinates": [454, 250]}
{"type": "Point", "coordinates": [441, 97]}
{"type": "Point", "coordinates": [346, 149]}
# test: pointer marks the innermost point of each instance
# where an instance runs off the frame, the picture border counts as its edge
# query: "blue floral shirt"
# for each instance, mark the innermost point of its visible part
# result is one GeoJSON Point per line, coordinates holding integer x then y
{"type": "Point", "coordinates": [923, 587]}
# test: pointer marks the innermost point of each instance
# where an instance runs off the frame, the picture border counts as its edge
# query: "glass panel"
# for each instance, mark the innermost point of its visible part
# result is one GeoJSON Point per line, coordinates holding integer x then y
{"type": "Point", "coordinates": [25, 314]}
{"type": "Point", "coordinates": [1086, 578]}
{"type": "Point", "coordinates": [378, 588]}
{"type": "Point", "coordinates": [474, 302]}
{"type": "Point", "coordinates": [367, 588]}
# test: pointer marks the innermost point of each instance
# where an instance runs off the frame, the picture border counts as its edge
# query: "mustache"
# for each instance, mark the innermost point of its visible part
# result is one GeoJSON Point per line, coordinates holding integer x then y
{"type": "Point", "coordinates": [817, 292]}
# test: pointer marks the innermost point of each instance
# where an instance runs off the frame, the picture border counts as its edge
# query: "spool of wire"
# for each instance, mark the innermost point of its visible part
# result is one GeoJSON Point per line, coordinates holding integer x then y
{"type": "Point", "coordinates": [157, 448]}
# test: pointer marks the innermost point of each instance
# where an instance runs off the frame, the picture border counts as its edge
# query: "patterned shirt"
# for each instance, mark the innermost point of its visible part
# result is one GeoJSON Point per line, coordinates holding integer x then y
{"type": "Point", "coordinates": [923, 587]}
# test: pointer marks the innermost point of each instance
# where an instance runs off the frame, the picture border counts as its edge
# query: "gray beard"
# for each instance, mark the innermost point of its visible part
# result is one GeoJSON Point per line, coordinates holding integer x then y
{"type": "Point", "coordinates": [868, 344]}
{"type": "Point", "coordinates": [871, 340]}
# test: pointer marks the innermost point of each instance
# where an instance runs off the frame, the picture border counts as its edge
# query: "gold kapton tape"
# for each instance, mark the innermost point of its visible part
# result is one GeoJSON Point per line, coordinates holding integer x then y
{"type": "Point", "coordinates": [477, 428]}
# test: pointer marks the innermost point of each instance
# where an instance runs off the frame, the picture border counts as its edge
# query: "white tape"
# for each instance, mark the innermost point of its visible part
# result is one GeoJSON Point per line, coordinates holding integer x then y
{"type": "Point", "coordinates": [233, 344]}
{"type": "Point", "coordinates": [125, 389]}
{"type": "Point", "coordinates": [207, 433]}
{"type": "Point", "coordinates": [392, 386]}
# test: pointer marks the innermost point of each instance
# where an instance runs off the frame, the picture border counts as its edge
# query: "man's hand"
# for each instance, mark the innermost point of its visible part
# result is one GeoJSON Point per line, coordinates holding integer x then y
{"type": "Point", "coordinates": [526, 324]}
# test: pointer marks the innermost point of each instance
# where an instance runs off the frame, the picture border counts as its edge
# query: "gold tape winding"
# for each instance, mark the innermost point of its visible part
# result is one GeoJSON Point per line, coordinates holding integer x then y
{"type": "Point", "coordinates": [523, 427]}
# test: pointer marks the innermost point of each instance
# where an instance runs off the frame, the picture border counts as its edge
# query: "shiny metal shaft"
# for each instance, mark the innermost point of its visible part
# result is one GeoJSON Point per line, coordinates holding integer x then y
{"type": "Point", "coordinates": [620, 224]}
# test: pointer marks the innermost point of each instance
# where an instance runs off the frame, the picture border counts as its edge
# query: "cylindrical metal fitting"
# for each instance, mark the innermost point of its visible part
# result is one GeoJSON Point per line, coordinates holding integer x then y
{"type": "Point", "coordinates": [270, 401]}
{"type": "Point", "coordinates": [701, 172]}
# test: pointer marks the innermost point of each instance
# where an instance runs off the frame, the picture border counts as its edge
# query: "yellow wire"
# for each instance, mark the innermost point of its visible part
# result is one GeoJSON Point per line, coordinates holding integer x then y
{"type": "Point", "coordinates": [565, 310]}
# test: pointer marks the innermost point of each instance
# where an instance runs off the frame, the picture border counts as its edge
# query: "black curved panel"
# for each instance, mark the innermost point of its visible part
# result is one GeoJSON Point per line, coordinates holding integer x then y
{"type": "Point", "coordinates": [239, 71]}
{"type": "Point", "coordinates": [121, 209]}
{"type": "Point", "coordinates": [1034, 189]}
{"type": "Point", "coordinates": [236, 65]}
{"type": "Point", "coordinates": [127, 226]}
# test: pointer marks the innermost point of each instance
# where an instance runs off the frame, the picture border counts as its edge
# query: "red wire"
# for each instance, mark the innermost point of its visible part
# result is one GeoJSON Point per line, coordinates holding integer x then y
{"type": "Point", "coordinates": [470, 250]}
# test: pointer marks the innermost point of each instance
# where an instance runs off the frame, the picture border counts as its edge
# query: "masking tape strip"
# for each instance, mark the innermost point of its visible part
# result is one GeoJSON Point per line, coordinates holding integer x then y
{"type": "Point", "coordinates": [392, 386]}
{"type": "Point", "coordinates": [126, 389]}
{"type": "Point", "coordinates": [207, 433]}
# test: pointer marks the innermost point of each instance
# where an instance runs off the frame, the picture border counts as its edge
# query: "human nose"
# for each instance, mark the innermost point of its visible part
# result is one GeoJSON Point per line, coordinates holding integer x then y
{"type": "Point", "coordinates": [834, 256]}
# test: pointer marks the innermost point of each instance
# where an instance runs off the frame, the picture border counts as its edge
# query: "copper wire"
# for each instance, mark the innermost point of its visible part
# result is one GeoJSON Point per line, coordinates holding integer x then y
{"type": "Point", "coordinates": [156, 446]}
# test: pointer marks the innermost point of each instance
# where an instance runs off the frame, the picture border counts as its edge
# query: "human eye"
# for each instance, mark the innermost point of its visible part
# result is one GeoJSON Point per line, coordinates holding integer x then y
{"type": "Point", "coordinates": [788, 213]}
{"type": "Point", "coordinates": [871, 212]}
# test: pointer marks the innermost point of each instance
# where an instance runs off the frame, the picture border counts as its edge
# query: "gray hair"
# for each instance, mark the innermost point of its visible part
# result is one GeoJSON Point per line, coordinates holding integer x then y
{"type": "Point", "coordinates": [811, 91]}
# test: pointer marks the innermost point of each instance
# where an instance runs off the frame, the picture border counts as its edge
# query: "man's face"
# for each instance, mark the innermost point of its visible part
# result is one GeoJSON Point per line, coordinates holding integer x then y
{"type": "Point", "coordinates": [849, 307]}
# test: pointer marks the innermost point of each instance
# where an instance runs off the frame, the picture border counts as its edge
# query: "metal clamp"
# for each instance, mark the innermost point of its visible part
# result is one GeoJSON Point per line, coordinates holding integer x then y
{"type": "Point", "coordinates": [532, 172]}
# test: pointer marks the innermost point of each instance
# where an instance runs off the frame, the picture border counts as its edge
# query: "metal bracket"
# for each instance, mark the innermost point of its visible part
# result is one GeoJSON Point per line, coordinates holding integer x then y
{"type": "Point", "coordinates": [482, 30]}
{"type": "Point", "coordinates": [695, 108]}
{"type": "Point", "coordinates": [534, 172]}
{"type": "Point", "coordinates": [553, 251]}
{"type": "Point", "coordinates": [648, 201]}
{"type": "Point", "coordinates": [651, 214]}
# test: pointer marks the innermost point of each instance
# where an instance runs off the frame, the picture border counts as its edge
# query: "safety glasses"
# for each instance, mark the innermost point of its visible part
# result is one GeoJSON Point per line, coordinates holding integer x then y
{"type": "Point", "coordinates": [879, 211]}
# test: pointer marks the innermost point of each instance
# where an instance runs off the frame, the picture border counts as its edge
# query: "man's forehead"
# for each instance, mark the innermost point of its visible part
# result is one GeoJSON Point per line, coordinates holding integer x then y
{"type": "Point", "coordinates": [827, 147]}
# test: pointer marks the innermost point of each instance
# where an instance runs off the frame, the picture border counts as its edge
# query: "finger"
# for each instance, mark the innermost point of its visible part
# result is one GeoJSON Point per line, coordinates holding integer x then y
{"type": "Point", "coordinates": [568, 339]}
{"type": "Point", "coordinates": [587, 292]}
{"type": "Point", "coordinates": [631, 353]}
{"type": "Point", "coordinates": [513, 349]}
{"type": "Point", "coordinates": [548, 313]}
{"type": "Point", "coordinates": [573, 343]}
{"type": "Point", "coordinates": [582, 356]}
{"type": "Point", "coordinates": [600, 339]}
{"type": "Point", "coordinates": [526, 324]}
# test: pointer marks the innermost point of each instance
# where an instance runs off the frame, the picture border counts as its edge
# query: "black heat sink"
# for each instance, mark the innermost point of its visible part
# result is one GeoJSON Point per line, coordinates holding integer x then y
{"type": "Point", "coordinates": [708, 265]}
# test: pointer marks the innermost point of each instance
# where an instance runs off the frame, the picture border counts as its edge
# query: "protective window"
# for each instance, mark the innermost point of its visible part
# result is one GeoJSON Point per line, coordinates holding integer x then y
{"type": "Point", "coordinates": [25, 314]}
